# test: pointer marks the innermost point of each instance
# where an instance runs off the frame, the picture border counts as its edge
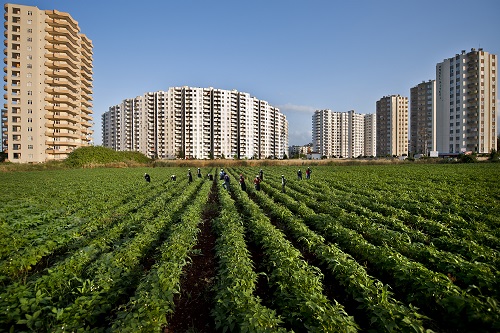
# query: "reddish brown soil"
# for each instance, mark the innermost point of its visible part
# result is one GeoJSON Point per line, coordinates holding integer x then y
{"type": "Point", "coordinates": [195, 302]}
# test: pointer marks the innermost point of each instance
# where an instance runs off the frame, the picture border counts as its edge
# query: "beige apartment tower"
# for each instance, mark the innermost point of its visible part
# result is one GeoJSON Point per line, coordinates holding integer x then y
{"type": "Point", "coordinates": [466, 108]}
{"type": "Point", "coordinates": [422, 118]}
{"type": "Point", "coordinates": [392, 126]}
{"type": "Point", "coordinates": [48, 85]}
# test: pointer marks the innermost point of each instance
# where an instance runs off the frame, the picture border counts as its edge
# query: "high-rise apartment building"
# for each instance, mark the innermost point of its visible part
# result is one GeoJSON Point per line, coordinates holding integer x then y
{"type": "Point", "coordinates": [466, 103]}
{"type": "Point", "coordinates": [392, 126]}
{"type": "Point", "coordinates": [340, 134]}
{"type": "Point", "coordinates": [48, 85]}
{"type": "Point", "coordinates": [200, 123]}
{"type": "Point", "coordinates": [370, 135]}
{"type": "Point", "coordinates": [422, 118]}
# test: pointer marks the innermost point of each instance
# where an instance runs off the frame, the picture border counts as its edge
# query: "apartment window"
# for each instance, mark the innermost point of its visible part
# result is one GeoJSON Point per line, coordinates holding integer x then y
{"type": "Point", "coordinates": [457, 123]}
{"type": "Point", "coordinates": [29, 57]}
{"type": "Point", "coordinates": [30, 21]}
{"type": "Point", "coordinates": [30, 101]}
{"type": "Point", "coordinates": [29, 66]}
{"type": "Point", "coordinates": [30, 111]}
{"type": "Point", "coordinates": [30, 30]}
{"type": "Point", "coordinates": [30, 146]}
{"type": "Point", "coordinates": [29, 48]}
{"type": "Point", "coordinates": [29, 39]}
{"type": "Point", "coordinates": [28, 75]}
{"type": "Point", "coordinates": [30, 13]}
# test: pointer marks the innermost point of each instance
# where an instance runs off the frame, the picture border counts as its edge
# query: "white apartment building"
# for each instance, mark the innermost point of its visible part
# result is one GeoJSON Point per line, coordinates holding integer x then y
{"type": "Point", "coordinates": [466, 103]}
{"type": "Point", "coordinates": [340, 134]}
{"type": "Point", "coordinates": [196, 123]}
{"type": "Point", "coordinates": [392, 126]}
{"type": "Point", "coordinates": [422, 118]}
{"type": "Point", "coordinates": [48, 85]}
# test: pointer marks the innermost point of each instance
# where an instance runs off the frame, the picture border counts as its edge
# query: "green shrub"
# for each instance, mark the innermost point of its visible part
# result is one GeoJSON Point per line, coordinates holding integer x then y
{"type": "Point", "coordinates": [97, 155]}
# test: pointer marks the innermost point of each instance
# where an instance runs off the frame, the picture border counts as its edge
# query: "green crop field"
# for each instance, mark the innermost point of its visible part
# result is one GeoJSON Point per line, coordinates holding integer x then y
{"type": "Point", "coordinates": [380, 248]}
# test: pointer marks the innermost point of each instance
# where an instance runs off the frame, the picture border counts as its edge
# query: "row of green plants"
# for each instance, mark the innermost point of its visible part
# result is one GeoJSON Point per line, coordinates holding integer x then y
{"type": "Point", "coordinates": [418, 228]}
{"type": "Point", "coordinates": [43, 301]}
{"type": "Point", "coordinates": [237, 308]}
{"type": "Point", "coordinates": [297, 287]}
{"type": "Point", "coordinates": [465, 273]}
{"type": "Point", "coordinates": [375, 301]}
{"type": "Point", "coordinates": [153, 301]}
{"type": "Point", "coordinates": [429, 290]}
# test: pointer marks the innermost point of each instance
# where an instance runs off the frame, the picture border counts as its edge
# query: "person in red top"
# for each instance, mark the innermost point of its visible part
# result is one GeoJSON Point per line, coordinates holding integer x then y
{"type": "Point", "coordinates": [256, 182]}
{"type": "Point", "coordinates": [242, 183]}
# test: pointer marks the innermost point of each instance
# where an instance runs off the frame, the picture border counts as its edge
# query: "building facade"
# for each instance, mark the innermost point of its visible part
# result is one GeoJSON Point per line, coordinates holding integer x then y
{"type": "Point", "coordinates": [466, 103]}
{"type": "Point", "coordinates": [392, 126]}
{"type": "Point", "coordinates": [48, 85]}
{"type": "Point", "coordinates": [196, 123]}
{"type": "Point", "coordinates": [340, 134]}
{"type": "Point", "coordinates": [422, 118]}
{"type": "Point", "coordinates": [370, 135]}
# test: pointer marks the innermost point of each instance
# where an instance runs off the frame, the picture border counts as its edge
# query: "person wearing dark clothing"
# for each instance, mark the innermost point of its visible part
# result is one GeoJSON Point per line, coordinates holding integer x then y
{"type": "Point", "coordinates": [173, 177]}
{"type": "Point", "coordinates": [226, 181]}
{"type": "Point", "coordinates": [261, 174]}
{"type": "Point", "coordinates": [283, 183]}
{"type": "Point", "coordinates": [210, 176]}
{"type": "Point", "coordinates": [221, 174]}
{"type": "Point", "coordinates": [190, 176]}
{"type": "Point", "coordinates": [308, 173]}
{"type": "Point", "coordinates": [242, 183]}
{"type": "Point", "coordinates": [256, 182]}
{"type": "Point", "coordinates": [199, 173]}
{"type": "Point", "coordinates": [147, 178]}
{"type": "Point", "coordinates": [299, 175]}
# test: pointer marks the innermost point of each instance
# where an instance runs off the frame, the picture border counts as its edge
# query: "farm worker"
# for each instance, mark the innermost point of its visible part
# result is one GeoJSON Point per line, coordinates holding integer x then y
{"type": "Point", "coordinates": [299, 175]}
{"type": "Point", "coordinates": [147, 178]}
{"type": "Point", "coordinates": [173, 177]}
{"type": "Point", "coordinates": [221, 174]}
{"type": "Point", "coordinates": [190, 176]}
{"type": "Point", "coordinates": [242, 183]}
{"type": "Point", "coordinates": [261, 173]}
{"type": "Point", "coordinates": [210, 176]}
{"type": "Point", "coordinates": [283, 183]}
{"type": "Point", "coordinates": [308, 173]}
{"type": "Point", "coordinates": [226, 181]}
{"type": "Point", "coordinates": [256, 182]}
{"type": "Point", "coordinates": [199, 173]}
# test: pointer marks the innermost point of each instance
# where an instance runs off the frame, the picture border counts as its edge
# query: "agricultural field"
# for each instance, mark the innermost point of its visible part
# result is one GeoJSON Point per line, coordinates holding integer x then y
{"type": "Point", "coordinates": [380, 248]}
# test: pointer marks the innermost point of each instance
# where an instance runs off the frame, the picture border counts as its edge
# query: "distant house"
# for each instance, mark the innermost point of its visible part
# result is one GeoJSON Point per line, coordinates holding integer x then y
{"type": "Point", "coordinates": [314, 156]}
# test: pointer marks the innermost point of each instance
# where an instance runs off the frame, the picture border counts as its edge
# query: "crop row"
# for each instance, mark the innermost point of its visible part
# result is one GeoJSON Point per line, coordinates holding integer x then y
{"type": "Point", "coordinates": [298, 290]}
{"type": "Point", "coordinates": [429, 290]}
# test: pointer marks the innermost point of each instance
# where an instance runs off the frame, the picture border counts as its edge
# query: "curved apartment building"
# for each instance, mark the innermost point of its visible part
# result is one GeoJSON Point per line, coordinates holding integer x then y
{"type": "Point", "coordinates": [196, 123]}
{"type": "Point", "coordinates": [48, 85]}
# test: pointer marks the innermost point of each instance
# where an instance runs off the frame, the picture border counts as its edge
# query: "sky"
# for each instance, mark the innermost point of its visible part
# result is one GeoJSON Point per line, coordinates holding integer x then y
{"type": "Point", "coordinates": [300, 56]}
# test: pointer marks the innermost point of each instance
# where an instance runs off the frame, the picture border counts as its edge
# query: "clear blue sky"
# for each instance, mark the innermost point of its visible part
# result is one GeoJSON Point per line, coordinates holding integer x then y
{"type": "Point", "coordinates": [297, 55]}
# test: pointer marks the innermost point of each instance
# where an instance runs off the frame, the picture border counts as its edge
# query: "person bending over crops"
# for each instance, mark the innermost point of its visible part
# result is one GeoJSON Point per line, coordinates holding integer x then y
{"type": "Point", "coordinates": [173, 177]}
{"type": "Point", "coordinates": [256, 183]}
{"type": "Point", "coordinates": [190, 176]}
{"type": "Point", "coordinates": [147, 178]}
{"type": "Point", "coordinates": [261, 174]}
{"type": "Point", "coordinates": [199, 173]}
{"type": "Point", "coordinates": [299, 175]}
{"type": "Point", "coordinates": [226, 181]}
{"type": "Point", "coordinates": [242, 183]}
{"type": "Point", "coordinates": [283, 183]}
